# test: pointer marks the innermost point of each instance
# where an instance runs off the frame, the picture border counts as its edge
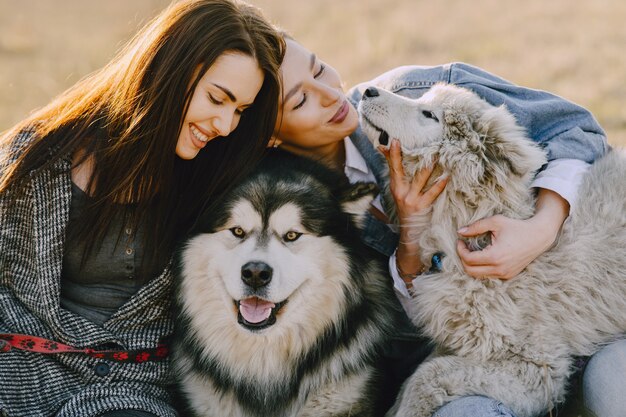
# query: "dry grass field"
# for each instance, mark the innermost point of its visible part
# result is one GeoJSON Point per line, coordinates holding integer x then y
{"type": "Point", "coordinates": [574, 48]}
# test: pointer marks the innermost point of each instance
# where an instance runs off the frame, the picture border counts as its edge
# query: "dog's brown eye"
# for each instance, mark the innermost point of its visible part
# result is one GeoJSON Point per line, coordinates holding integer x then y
{"type": "Point", "coordinates": [430, 115]}
{"type": "Point", "coordinates": [238, 232]}
{"type": "Point", "coordinates": [290, 236]}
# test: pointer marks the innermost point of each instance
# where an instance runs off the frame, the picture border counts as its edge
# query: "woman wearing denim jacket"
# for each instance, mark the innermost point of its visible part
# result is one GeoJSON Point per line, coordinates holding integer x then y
{"type": "Point", "coordinates": [319, 120]}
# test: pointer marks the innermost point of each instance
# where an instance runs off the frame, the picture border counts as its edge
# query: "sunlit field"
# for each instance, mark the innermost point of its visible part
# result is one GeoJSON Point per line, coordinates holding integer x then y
{"type": "Point", "coordinates": [576, 49]}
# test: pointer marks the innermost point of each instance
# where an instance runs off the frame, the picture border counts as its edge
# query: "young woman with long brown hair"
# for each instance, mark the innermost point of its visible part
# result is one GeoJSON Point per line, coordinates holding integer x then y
{"type": "Point", "coordinates": [96, 190]}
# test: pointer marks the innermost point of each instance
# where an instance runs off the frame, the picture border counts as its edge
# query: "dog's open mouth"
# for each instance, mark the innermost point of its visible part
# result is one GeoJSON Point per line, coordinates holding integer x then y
{"type": "Point", "coordinates": [257, 314]}
{"type": "Point", "coordinates": [383, 139]}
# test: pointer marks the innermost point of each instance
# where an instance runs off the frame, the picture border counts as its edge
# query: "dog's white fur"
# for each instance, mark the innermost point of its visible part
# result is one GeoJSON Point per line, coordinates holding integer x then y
{"type": "Point", "coordinates": [510, 340]}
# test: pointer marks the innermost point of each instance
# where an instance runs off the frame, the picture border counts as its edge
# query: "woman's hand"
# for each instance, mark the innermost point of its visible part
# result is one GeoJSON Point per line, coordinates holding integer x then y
{"type": "Point", "coordinates": [514, 243]}
{"type": "Point", "coordinates": [408, 193]}
{"type": "Point", "coordinates": [411, 199]}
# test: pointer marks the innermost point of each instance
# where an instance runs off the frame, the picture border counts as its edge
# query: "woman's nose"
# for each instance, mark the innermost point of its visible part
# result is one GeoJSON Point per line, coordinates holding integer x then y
{"type": "Point", "coordinates": [329, 95]}
{"type": "Point", "coordinates": [224, 123]}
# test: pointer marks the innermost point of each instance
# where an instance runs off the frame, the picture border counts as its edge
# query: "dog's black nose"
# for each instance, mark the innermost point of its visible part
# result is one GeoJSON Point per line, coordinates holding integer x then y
{"type": "Point", "coordinates": [371, 92]}
{"type": "Point", "coordinates": [256, 274]}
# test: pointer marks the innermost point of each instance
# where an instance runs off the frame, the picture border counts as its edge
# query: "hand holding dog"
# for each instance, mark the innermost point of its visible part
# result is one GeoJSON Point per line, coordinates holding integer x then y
{"type": "Point", "coordinates": [409, 193]}
{"type": "Point", "coordinates": [514, 243]}
{"type": "Point", "coordinates": [411, 199]}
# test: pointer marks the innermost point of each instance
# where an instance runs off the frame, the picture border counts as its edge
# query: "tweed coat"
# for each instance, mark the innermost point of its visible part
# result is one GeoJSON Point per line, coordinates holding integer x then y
{"type": "Point", "coordinates": [32, 234]}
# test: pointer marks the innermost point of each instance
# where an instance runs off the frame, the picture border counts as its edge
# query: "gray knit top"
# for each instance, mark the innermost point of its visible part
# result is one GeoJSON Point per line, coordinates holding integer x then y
{"type": "Point", "coordinates": [110, 275]}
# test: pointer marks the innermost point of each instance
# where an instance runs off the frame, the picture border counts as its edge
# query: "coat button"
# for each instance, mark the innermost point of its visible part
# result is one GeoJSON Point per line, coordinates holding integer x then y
{"type": "Point", "coordinates": [102, 369]}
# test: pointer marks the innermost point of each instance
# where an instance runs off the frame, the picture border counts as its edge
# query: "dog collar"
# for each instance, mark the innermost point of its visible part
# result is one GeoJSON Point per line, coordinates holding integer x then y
{"type": "Point", "coordinates": [436, 262]}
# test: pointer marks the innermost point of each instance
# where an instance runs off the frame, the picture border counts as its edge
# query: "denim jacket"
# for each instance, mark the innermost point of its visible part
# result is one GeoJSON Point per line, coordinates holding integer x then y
{"type": "Point", "coordinates": [563, 129]}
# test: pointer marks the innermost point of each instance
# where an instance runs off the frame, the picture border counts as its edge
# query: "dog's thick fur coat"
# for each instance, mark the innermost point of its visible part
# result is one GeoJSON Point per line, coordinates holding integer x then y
{"type": "Point", "coordinates": [287, 240]}
{"type": "Point", "coordinates": [511, 340]}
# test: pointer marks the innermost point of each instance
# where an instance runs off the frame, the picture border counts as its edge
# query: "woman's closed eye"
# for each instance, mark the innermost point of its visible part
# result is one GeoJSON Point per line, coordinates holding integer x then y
{"type": "Point", "coordinates": [242, 109]}
{"type": "Point", "coordinates": [320, 72]}
{"type": "Point", "coordinates": [317, 75]}
{"type": "Point", "coordinates": [214, 100]}
{"type": "Point", "coordinates": [301, 103]}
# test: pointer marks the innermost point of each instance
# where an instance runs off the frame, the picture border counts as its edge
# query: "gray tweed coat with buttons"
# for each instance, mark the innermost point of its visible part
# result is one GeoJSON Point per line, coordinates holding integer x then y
{"type": "Point", "coordinates": [32, 232]}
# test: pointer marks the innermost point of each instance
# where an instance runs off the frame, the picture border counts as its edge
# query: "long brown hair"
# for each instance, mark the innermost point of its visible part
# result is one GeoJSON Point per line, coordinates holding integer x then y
{"type": "Point", "coordinates": [127, 118]}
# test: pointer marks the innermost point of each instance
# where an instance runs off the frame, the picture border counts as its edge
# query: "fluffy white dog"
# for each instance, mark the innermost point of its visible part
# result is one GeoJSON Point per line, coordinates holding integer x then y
{"type": "Point", "coordinates": [510, 340]}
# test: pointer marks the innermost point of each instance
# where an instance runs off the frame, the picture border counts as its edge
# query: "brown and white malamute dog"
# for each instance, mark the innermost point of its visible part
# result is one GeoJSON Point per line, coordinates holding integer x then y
{"type": "Point", "coordinates": [282, 311]}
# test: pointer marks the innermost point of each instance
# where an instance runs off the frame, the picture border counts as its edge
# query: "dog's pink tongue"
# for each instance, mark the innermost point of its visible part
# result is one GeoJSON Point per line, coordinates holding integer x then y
{"type": "Point", "coordinates": [255, 310]}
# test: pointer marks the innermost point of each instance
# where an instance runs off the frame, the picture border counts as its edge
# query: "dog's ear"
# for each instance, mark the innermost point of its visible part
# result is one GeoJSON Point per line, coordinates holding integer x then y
{"type": "Point", "coordinates": [462, 142]}
{"type": "Point", "coordinates": [497, 146]}
{"type": "Point", "coordinates": [507, 142]}
{"type": "Point", "coordinates": [356, 200]}
{"type": "Point", "coordinates": [459, 127]}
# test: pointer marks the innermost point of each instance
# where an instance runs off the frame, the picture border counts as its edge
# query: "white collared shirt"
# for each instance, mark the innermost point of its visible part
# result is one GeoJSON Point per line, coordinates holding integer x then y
{"type": "Point", "coordinates": [356, 169]}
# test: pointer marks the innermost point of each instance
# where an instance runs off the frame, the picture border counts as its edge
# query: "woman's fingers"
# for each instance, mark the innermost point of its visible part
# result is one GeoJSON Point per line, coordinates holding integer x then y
{"type": "Point", "coordinates": [421, 178]}
{"type": "Point", "coordinates": [474, 263]}
{"type": "Point", "coordinates": [489, 224]}
{"type": "Point", "coordinates": [409, 192]}
{"type": "Point", "coordinates": [385, 152]}
{"type": "Point", "coordinates": [395, 154]}
{"type": "Point", "coordinates": [474, 258]}
{"type": "Point", "coordinates": [437, 188]}
{"type": "Point", "coordinates": [398, 183]}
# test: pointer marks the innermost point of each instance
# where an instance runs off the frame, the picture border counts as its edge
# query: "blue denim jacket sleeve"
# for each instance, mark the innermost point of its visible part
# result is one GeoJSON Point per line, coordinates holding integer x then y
{"type": "Point", "coordinates": [564, 129]}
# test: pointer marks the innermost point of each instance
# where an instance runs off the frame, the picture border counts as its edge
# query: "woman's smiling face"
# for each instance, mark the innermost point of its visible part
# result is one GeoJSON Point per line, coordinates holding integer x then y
{"type": "Point", "coordinates": [315, 110]}
{"type": "Point", "coordinates": [225, 90]}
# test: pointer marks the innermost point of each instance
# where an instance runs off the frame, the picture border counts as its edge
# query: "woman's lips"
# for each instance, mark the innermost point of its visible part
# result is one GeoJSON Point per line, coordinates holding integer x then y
{"type": "Point", "coordinates": [341, 113]}
{"type": "Point", "coordinates": [199, 137]}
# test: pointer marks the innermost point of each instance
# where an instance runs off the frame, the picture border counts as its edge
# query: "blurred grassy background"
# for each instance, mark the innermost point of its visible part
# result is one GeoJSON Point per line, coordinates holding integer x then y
{"type": "Point", "coordinates": [574, 48]}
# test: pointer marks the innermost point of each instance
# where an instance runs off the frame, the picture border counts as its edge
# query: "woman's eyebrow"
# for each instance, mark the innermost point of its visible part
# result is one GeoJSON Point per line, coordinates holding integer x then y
{"type": "Point", "coordinates": [296, 87]}
{"type": "Point", "coordinates": [291, 92]}
{"type": "Point", "coordinates": [226, 91]}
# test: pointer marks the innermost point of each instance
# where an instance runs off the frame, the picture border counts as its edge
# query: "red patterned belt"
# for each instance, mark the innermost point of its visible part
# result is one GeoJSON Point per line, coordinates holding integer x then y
{"type": "Point", "coordinates": [46, 346]}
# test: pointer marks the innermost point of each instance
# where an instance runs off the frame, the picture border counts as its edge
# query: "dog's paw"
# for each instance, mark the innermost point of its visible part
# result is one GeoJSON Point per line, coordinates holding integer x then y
{"type": "Point", "coordinates": [413, 400]}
